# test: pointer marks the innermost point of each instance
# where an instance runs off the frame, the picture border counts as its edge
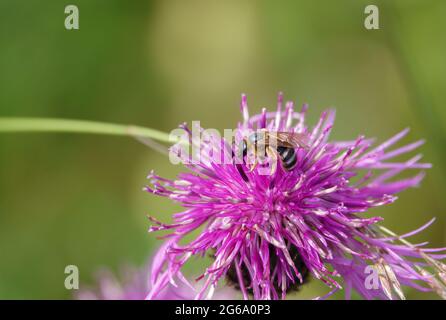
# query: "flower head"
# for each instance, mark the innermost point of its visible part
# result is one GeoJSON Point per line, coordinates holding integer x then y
{"type": "Point", "coordinates": [270, 232]}
{"type": "Point", "coordinates": [134, 284]}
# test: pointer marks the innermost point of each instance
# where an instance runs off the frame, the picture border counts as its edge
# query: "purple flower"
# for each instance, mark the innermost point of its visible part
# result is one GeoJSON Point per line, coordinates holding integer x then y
{"type": "Point", "coordinates": [269, 233]}
{"type": "Point", "coordinates": [135, 285]}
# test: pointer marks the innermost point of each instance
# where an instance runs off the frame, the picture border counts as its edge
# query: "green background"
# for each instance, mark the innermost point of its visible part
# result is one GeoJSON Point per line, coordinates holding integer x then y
{"type": "Point", "coordinates": [77, 199]}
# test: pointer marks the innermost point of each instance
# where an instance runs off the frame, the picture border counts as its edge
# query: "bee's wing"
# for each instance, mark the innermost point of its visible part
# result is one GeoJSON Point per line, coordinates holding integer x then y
{"type": "Point", "coordinates": [290, 139]}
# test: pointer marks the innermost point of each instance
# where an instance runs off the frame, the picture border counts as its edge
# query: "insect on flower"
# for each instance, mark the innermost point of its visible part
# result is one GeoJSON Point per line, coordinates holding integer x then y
{"type": "Point", "coordinates": [274, 145]}
{"type": "Point", "coordinates": [270, 233]}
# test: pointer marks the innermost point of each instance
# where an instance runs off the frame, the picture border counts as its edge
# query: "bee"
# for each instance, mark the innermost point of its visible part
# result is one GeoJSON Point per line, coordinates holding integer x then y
{"type": "Point", "coordinates": [275, 145]}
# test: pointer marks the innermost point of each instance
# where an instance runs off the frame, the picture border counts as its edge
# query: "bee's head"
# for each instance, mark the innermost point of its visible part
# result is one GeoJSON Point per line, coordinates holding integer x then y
{"type": "Point", "coordinates": [257, 136]}
{"type": "Point", "coordinates": [253, 138]}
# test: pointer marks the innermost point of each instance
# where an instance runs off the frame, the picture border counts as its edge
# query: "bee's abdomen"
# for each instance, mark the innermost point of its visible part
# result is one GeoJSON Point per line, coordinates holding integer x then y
{"type": "Point", "coordinates": [288, 157]}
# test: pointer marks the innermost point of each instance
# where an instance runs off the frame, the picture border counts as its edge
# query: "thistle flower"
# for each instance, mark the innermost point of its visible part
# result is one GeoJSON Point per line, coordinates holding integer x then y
{"type": "Point", "coordinates": [269, 233]}
{"type": "Point", "coordinates": [135, 285]}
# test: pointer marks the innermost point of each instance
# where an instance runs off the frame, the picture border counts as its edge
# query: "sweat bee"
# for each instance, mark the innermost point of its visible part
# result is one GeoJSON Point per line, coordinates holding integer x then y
{"type": "Point", "coordinates": [275, 145]}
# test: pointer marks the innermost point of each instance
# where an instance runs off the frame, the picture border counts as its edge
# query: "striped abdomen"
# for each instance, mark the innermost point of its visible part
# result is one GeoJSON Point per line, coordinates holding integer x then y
{"type": "Point", "coordinates": [288, 157]}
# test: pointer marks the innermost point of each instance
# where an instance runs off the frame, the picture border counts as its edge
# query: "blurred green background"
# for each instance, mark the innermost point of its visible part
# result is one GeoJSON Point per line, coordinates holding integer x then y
{"type": "Point", "coordinates": [77, 199]}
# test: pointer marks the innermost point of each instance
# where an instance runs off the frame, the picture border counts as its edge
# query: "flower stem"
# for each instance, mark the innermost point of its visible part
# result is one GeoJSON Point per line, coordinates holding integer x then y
{"type": "Point", "coordinates": [80, 126]}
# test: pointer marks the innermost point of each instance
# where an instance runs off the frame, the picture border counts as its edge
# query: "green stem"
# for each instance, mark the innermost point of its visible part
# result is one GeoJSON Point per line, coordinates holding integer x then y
{"type": "Point", "coordinates": [79, 126]}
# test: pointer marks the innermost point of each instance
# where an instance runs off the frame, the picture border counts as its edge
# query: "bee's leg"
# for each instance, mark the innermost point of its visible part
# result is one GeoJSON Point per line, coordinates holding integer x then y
{"type": "Point", "coordinates": [244, 150]}
{"type": "Point", "coordinates": [252, 160]}
{"type": "Point", "coordinates": [232, 150]}
{"type": "Point", "coordinates": [273, 158]}
{"type": "Point", "coordinates": [240, 159]}
{"type": "Point", "coordinates": [254, 165]}
{"type": "Point", "coordinates": [238, 152]}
